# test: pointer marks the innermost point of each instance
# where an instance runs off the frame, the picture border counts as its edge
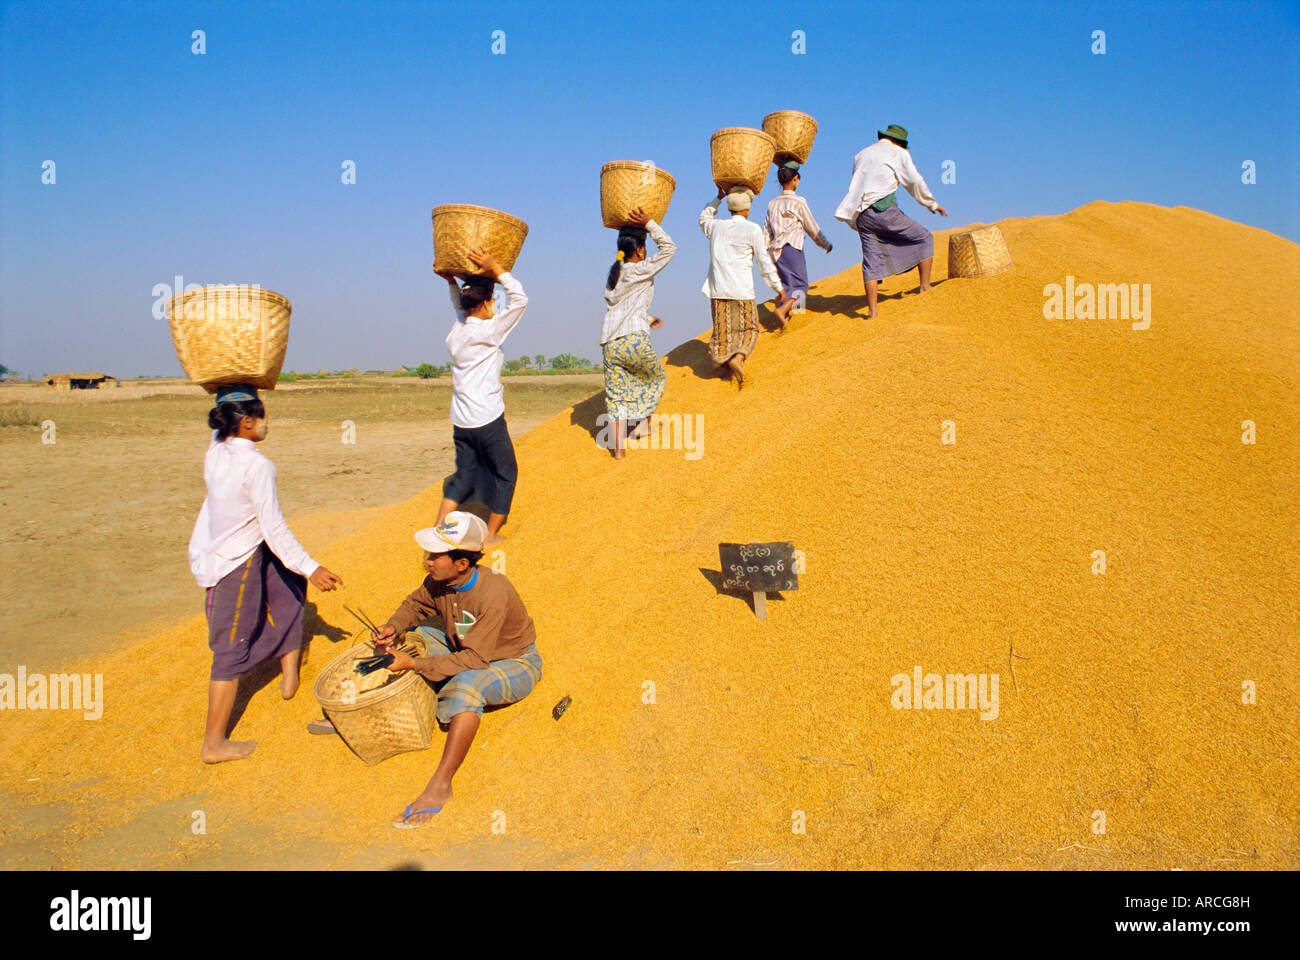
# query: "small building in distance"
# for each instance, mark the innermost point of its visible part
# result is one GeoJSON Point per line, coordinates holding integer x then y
{"type": "Point", "coordinates": [83, 381]}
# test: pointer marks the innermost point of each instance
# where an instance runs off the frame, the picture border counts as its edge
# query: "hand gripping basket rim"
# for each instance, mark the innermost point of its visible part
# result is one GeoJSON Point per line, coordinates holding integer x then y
{"type": "Point", "coordinates": [360, 723]}
{"type": "Point", "coordinates": [618, 193]}
{"type": "Point", "coordinates": [755, 179]}
{"type": "Point", "coordinates": [454, 235]}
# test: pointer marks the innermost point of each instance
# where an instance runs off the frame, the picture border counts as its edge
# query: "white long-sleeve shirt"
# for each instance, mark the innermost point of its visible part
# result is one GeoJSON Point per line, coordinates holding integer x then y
{"type": "Point", "coordinates": [788, 218]}
{"type": "Point", "coordinates": [477, 397]}
{"type": "Point", "coordinates": [628, 304]}
{"type": "Point", "coordinates": [734, 246]}
{"type": "Point", "coordinates": [878, 171]}
{"type": "Point", "coordinates": [241, 510]}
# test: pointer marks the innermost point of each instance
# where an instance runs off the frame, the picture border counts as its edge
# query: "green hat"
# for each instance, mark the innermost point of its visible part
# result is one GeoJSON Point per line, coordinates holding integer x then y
{"type": "Point", "coordinates": [894, 132]}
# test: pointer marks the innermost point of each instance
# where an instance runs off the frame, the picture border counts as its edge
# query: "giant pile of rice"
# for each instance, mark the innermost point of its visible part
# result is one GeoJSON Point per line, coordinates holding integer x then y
{"type": "Point", "coordinates": [1072, 436]}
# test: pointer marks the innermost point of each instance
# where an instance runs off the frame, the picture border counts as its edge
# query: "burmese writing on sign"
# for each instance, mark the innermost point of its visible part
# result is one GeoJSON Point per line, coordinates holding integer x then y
{"type": "Point", "coordinates": [754, 567]}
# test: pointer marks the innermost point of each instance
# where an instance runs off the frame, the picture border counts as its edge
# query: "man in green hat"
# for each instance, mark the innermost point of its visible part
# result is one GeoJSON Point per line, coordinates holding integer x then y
{"type": "Point", "coordinates": [892, 242]}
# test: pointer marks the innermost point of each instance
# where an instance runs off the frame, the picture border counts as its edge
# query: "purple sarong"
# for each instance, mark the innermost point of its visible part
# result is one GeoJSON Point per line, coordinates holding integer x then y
{"type": "Point", "coordinates": [792, 268]}
{"type": "Point", "coordinates": [254, 614]}
{"type": "Point", "coordinates": [892, 243]}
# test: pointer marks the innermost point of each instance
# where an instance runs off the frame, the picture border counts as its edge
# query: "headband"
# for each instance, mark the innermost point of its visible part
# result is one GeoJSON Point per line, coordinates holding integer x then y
{"type": "Point", "coordinates": [236, 391]}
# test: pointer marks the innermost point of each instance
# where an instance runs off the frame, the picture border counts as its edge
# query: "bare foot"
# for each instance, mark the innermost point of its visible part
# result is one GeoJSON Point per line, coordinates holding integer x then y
{"type": "Point", "coordinates": [289, 681]}
{"type": "Point", "coordinates": [737, 371]}
{"type": "Point", "coordinates": [924, 288]}
{"type": "Point", "coordinates": [433, 798]}
{"type": "Point", "coordinates": [227, 750]}
{"type": "Point", "coordinates": [493, 540]}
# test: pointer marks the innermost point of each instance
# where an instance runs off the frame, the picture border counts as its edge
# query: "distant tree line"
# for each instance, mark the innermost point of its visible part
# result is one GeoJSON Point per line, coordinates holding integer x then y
{"type": "Point", "coordinates": [564, 361]}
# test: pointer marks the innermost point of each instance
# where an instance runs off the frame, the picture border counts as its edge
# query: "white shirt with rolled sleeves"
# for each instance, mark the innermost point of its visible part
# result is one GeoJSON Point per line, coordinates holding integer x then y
{"type": "Point", "coordinates": [878, 171]}
{"type": "Point", "coordinates": [629, 302]}
{"type": "Point", "coordinates": [477, 396]}
{"type": "Point", "coordinates": [735, 245]}
{"type": "Point", "coordinates": [241, 510]}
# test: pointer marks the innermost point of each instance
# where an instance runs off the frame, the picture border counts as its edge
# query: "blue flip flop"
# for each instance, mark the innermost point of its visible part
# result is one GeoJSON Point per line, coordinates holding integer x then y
{"type": "Point", "coordinates": [408, 815]}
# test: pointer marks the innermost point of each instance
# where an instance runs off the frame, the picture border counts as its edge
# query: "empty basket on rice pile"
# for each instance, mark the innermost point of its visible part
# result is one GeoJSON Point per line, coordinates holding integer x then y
{"type": "Point", "coordinates": [741, 157]}
{"type": "Point", "coordinates": [460, 227]}
{"type": "Point", "coordinates": [628, 184]}
{"type": "Point", "coordinates": [235, 333]}
{"type": "Point", "coordinates": [381, 714]}
{"type": "Point", "coordinates": [793, 133]}
{"type": "Point", "coordinates": [981, 252]}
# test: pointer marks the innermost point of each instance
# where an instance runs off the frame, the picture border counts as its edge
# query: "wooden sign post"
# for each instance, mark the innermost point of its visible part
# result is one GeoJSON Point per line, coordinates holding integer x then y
{"type": "Point", "coordinates": [758, 568]}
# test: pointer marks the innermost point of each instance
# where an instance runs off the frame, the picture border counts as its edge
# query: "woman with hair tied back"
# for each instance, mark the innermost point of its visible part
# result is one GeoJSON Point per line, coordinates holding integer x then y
{"type": "Point", "coordinates": [634, 374]}
{"type": "Point", "coordinates": [788, 219]}
{"type": "Point", "coordinates": [255, 572]}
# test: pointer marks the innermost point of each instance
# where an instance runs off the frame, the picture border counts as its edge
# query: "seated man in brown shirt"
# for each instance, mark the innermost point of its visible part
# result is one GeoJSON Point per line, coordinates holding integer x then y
{"type": "Point", "coordinates": [488, 657]}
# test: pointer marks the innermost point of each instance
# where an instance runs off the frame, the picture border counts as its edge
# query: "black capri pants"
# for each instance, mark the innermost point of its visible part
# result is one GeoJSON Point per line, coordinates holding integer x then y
{"type": "Point", "coordinates": [486, 471]}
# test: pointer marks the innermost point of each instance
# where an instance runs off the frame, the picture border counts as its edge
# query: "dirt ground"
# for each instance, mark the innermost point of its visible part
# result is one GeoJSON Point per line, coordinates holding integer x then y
{"type": "Point", "coordinates": [95, 525]}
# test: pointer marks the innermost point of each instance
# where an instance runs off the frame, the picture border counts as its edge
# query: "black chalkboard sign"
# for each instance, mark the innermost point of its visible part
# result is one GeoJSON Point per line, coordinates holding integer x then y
{"type": "Point", "coordinates": [757, 568]}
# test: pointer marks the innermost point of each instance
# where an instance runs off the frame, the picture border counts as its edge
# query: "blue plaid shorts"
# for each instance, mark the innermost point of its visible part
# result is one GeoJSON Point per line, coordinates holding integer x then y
{"type": "Point", "coordinates": [503, 681]}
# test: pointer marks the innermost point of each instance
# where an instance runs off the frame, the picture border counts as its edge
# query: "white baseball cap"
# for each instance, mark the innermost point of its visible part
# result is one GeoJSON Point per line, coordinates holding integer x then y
{"type": "Point", "coordinates": [459, 531]}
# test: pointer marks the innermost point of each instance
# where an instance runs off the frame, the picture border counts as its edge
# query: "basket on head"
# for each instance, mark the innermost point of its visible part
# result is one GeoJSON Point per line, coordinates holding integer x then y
{"type": "Point", "coordinates": [233, 333]}
{"type": "Point", "coordinates": [460, 227]}
{"type": "Point", "coordinates": [793, 133]}
{"type": "Point", "coordinates": [741, 157]}
{"type": "Point", "coordinates": [628, 184]}
{"type": "Point", "coordinates": [981, 252]}
{"type": "Point", "coordinates": [378, 723]}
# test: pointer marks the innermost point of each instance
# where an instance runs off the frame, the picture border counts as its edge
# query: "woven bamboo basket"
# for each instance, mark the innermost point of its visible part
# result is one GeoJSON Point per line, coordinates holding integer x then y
{"type": "Point", "coordinates": [459, 227]}
{"type": "Point", "coordinates": [628, 184]}
{"type": "Point", "coordinates": [230, 334]}
{"type": "Point", "coordinates": [793, 133]}
{"type": "Point", "coordinates": [981, 252]}
{"type": "Point", "coordinates": [741, 157]}
{"type": "Point", "coordinates": [378, 722]}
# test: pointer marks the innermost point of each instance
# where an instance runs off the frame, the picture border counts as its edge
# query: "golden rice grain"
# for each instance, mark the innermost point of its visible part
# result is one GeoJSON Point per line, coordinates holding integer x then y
{"type": "Point", "coordinates": [691, 724]}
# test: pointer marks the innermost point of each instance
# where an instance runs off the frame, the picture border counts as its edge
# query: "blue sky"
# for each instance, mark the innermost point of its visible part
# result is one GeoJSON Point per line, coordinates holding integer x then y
{"type": "Point", "coordinates": [225, 167]}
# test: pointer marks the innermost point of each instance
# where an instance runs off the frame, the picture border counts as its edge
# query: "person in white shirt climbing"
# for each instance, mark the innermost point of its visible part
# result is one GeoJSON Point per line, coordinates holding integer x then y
{"type": "Point", "coordinates": [892, 242]}
{"type": "Point", "coordinates": [486, 469]}
{"type": "Point", "coordinates": [255, 572]}
{"type": "Point", "coordinates": [734, 246]}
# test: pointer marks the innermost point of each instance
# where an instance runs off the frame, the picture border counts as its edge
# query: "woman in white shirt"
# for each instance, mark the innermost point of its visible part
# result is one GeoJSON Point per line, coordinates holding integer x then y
{"type": "Point", "coordinates": [486, 469]}
{"type": "Point", "coordinates": [255, 572]}
{"type": "Point", "coordinates": [634, 374]}
{"type": "Point", "coordinates": [735, 245]}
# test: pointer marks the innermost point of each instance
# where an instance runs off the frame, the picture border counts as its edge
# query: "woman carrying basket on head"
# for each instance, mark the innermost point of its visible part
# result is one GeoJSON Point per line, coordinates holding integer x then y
{"type": "Point", "coordinates": [486, 468]}
{"type": "Point", "coordinates": [254, 570]}
{"type": "Point", "coordinates": [735, 245]}
{"type": "Point", "coordinates": [788, 219]}
{"type": "Point", "coordinates": [634, 374]}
